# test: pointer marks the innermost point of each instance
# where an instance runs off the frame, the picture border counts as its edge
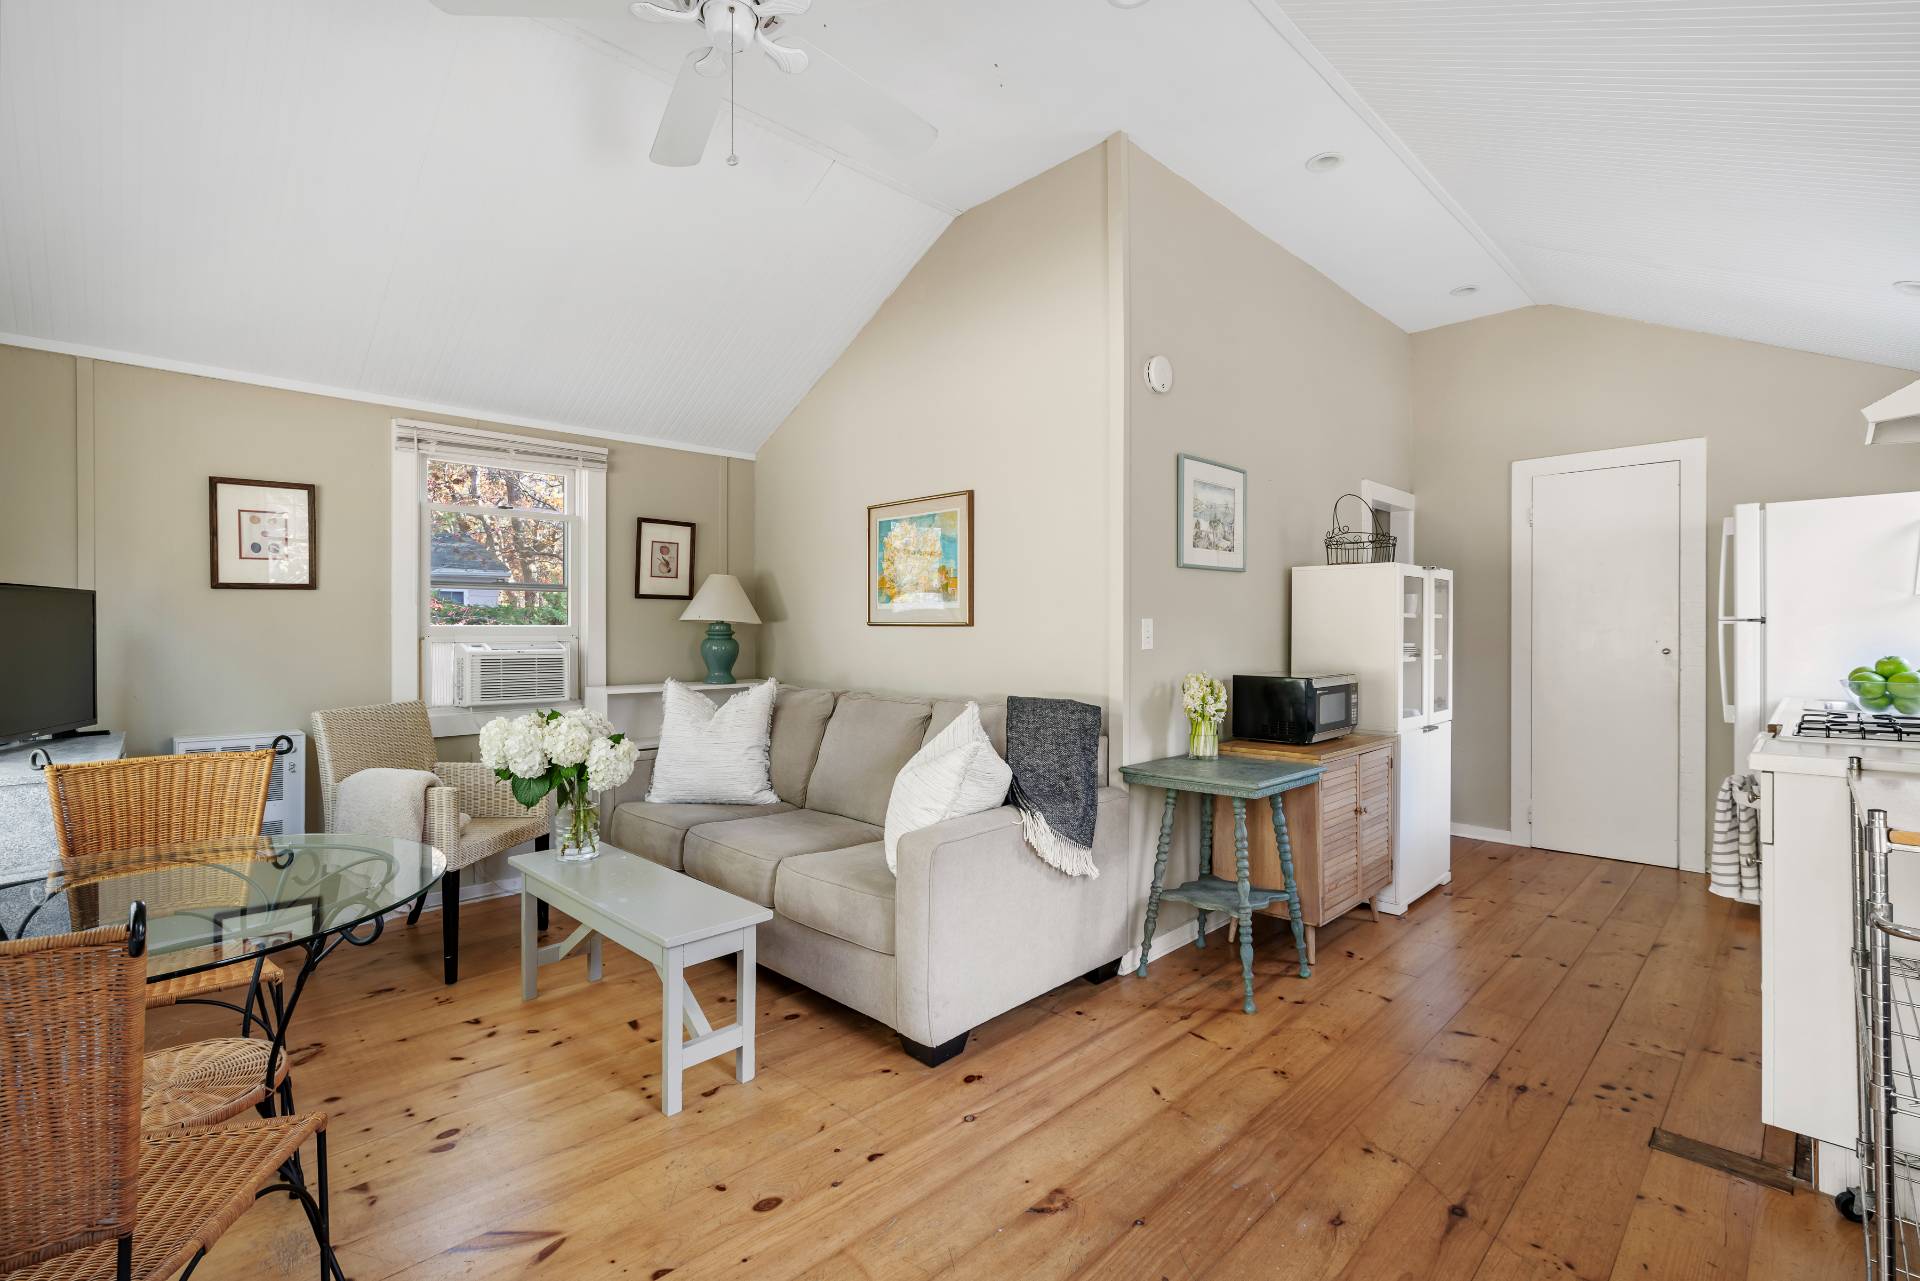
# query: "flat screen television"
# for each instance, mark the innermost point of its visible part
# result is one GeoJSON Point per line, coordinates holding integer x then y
{"type": "Point", "coordinates": [46, 661]}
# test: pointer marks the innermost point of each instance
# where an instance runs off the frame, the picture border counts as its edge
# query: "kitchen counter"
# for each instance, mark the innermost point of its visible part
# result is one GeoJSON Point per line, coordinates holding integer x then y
{"type": "Point", "coordinates": [1827, 757]}
{"type": "Point", "coordinates": [1333, 749]}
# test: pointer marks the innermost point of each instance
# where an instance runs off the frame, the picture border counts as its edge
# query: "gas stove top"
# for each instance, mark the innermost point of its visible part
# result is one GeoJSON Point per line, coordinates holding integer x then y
{"type": "Point", "coordinates": [1889, 729]}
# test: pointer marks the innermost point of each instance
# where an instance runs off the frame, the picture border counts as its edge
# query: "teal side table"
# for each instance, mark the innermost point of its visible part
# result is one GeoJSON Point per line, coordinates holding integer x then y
{"type": "Point", "coordinates": [1240, 779]}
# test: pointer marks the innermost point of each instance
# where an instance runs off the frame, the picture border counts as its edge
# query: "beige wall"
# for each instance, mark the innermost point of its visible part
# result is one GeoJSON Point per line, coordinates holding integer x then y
{"type": "Point", "coordinates": [1276, 370]}
{"type": "Point", "coordinates": [1779, 425]}
{"type": "Point", "coordinates": [986, 370]}
{"type": "Point", "coordinates": [178, 657]}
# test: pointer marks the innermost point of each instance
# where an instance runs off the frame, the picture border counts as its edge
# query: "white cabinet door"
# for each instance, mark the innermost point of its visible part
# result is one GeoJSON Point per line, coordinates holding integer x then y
{"type": "Point", "coordinates": [1422, 805]}
{"type": "Point", "coordinates": [1415, 599]}
{"type": "Point", "coordinates": [1439, 645]}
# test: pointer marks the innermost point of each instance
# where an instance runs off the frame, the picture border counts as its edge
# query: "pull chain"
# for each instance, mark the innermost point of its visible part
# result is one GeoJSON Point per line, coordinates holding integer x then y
{"type": "Point", "coordinates": [733, 154]}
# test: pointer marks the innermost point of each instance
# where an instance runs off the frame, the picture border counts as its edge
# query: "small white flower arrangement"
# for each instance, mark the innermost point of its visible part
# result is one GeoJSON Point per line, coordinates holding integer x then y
{"type": "Point", "coordinates": [1205, 700]}
{"type": "Point", "coordinates": [571, 754]}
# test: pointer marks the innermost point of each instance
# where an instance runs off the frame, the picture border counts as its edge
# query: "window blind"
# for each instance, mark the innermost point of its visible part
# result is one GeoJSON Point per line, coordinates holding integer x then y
{"type": "Point", "coordinates": [411, 437]}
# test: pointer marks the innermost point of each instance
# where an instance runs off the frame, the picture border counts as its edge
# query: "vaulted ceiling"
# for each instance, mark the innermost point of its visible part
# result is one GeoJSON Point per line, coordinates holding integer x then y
{"type": "Point", "coordinates": [457, 214]}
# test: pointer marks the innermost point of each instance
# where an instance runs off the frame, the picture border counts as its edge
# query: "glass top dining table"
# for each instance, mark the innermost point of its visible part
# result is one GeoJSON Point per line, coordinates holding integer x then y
{"type": "Point", "coordinates": [213, 903]}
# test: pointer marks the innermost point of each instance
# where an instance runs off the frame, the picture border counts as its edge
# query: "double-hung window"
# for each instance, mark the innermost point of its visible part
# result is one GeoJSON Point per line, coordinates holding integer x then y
{"type": "Point", "coordinates": [500, 540]}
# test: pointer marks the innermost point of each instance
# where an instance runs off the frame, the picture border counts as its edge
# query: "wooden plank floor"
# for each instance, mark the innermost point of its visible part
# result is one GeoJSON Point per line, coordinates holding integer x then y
{"type": "Point", "coordinates": [1463, 1093]}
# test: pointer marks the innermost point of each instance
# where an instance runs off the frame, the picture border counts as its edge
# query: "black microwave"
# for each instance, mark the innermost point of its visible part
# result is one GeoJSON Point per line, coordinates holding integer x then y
{"type": "Point", "coordinates": [1295, 709]}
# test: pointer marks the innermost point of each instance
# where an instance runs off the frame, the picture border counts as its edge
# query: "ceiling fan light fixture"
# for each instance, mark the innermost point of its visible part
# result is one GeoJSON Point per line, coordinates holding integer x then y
{"type": "Point", "coordinates": [1911, 288]}
{"type": "Point", "coordinates": [1325, 162]}
{"type": "Point", "coordinates": [1464, 291]}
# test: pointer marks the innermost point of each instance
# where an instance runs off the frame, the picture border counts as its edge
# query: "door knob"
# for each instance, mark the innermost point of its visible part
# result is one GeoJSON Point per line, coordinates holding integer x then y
{"type": "Point", "coordinates": [1665, 650]}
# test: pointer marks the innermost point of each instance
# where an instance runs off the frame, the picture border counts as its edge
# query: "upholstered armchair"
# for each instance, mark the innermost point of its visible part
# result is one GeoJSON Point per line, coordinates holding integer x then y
{"type": "Point", "coordinates": [399, 736]}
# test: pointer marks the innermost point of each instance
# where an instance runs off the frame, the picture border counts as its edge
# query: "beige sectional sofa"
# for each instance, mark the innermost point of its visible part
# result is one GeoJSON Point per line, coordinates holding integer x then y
{"type": "Point", "coordinates": [974, 924]}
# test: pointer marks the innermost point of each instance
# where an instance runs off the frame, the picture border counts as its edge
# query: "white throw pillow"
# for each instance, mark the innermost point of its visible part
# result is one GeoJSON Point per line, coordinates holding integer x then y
{"type": "Point", "coordinates": [956, 774]}
{"type": "Point", "coordinates": [714, 755]}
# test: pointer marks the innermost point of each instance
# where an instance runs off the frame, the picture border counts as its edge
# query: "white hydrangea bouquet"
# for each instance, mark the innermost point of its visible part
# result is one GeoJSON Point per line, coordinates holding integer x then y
{"type": "Point", "coordinates": [1206, 702]}
{"type": "Point", "coordinates": [573, 755]}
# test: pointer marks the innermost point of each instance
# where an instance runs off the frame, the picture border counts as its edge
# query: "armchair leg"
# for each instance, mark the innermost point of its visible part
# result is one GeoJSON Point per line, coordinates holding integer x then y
{"type": "Point", "coordinates": [544, 912]}
{"type": "Point", "coordinates": [935, 1055]}
{"type": "Point", "coordinates": [413, 913]}
{"type": "Point", "coordinates": [450, 923]}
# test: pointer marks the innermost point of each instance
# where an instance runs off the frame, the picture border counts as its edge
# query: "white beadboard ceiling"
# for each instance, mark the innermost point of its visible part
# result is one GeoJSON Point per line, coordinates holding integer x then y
{"type": "Point", "coordinates": [457, 214]}
{"type": "Point", "coordinates": [1741, 167]}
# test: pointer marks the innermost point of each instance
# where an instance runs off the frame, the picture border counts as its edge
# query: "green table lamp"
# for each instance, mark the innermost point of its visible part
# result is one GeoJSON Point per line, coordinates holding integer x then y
{"type": "Point", "coordinates": [720, 603]}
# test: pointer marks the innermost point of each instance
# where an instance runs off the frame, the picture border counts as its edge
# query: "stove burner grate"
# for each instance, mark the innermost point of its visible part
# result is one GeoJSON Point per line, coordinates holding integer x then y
{"type": "Point", "coordinates": [1872, 727]}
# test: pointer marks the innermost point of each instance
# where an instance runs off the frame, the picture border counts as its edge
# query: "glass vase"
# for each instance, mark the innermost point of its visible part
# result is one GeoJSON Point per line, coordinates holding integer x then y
{"type": "Point", "coordinates": [1203, 738]}
{"type": "Point", "coordinates": [578, 827]}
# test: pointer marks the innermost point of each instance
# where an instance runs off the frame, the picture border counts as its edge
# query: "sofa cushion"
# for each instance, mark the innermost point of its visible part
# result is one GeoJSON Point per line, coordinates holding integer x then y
{"type": "Point", "coordinates": [742, 855]}
{"type": "Point", "coordinates": [993, 719]}
{"type": "Point", "coordinates": [866, 743]}
{"type": "Point", "coordinates": [799, 722]}
{"type": "Point", "coordinates": [846, 893]}
{"type": "Point", "coordinates": [659, 832]}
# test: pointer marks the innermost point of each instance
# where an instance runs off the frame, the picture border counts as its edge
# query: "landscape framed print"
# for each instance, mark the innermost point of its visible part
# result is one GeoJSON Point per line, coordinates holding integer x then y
{"type": "Point", "coordinates": [920, 562]}
{"type": "Point", "coordinates": [663, 559]}
{"type": "Point", "coordinates": [263, 534]}
{"type": "Point", "coordinates": [1211, 527]}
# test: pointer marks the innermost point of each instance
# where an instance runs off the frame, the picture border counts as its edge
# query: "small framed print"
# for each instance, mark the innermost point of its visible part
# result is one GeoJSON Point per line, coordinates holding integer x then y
{"type": "Point", "coordinates": [1212, 533]}
{"type": "Point", "coordinates": [245, 931]}
{"type": "Point", "coordinates": [663, 559]}
{"type": "Point", "coordinates": [263, 534]}
{"type": "Point", "coordinates": [920, 562]}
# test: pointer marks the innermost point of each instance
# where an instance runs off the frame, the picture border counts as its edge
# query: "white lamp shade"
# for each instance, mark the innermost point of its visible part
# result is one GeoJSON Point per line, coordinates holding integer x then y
{"type": "Point", "coordinates": [720, 599]}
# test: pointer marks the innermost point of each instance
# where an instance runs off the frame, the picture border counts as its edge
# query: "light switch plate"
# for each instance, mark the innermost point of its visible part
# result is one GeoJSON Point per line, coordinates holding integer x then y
{"type": "Point", "coordinates": [1146, 633]}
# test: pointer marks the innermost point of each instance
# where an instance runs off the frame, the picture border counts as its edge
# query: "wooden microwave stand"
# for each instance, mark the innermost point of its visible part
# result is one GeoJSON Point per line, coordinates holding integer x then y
{"type": "Point", "coordinates": [1341, 827]}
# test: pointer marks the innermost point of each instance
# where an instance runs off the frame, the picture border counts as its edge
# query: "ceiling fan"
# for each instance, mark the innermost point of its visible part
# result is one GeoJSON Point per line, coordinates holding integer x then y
{"type": "Point", "coordinates": [725, 30]}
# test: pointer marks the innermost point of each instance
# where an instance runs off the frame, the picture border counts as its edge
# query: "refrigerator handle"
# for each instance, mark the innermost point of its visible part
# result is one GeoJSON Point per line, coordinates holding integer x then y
{"type": "Point", "coordinates": [1726, 539]}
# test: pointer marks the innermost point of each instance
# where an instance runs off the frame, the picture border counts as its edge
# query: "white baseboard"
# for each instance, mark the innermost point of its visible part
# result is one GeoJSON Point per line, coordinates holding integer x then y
{"type": "Point", "coordinates": [1177, 937]}
{"type": "Point", "coordinates": [1498, 835]}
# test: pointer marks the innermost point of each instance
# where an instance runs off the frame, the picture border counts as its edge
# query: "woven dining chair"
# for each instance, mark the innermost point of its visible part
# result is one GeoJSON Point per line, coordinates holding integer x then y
{"type": "Point", "coordinates": [104, 807]}
{"type": "Point", "coordinates": [84, 1196]}
{"type": "Point", "coordinates": [347, 740]}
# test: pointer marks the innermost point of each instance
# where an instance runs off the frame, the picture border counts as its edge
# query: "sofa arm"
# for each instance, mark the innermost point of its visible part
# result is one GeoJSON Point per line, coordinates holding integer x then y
{"type": "Point", "coordinates": [982, 925]}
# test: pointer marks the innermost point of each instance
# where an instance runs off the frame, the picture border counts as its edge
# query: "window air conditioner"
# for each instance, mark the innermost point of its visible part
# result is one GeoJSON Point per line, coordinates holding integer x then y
{"type": "Point", "coordinates": [509, 675]}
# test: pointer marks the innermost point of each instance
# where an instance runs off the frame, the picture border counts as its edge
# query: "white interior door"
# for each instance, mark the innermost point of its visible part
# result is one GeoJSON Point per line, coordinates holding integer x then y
{"type": "Point", "coordinates": [1606, 662]}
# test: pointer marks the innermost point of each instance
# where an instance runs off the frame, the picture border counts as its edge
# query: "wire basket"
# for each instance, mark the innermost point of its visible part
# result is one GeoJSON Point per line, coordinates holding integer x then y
{"type": "Point", "coordinates": [1347, 546]}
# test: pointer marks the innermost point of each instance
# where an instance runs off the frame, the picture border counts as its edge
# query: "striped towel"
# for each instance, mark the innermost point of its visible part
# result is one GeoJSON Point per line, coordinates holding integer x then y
{"type": "Point", "coordinates": [1733, 870]}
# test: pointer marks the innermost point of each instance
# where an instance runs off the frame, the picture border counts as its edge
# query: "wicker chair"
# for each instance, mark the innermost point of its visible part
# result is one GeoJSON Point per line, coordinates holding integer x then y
{"type": "Point", "coordinates": [83, 1194]}
{"type": "Point", "coordinates": [103, 807]}
{"type": "Point", "coordinates": [399, 736]}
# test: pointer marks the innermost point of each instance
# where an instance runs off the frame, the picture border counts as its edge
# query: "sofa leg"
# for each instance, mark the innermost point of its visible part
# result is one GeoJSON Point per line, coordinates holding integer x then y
{"type": "Point", "coordinates": [1101, 973]}
{"type": "Point", "coordinates": [544, 912]}
{"type": "Point", "coordinates": [450, 923]}
{"type": "Point", "coordinates": [935, 1055]}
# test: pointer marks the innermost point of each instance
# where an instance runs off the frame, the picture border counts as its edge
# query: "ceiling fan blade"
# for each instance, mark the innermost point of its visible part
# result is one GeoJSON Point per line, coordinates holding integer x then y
{"type": "Point", "coordinates": [691, 110]}
{"type": "Point", "coordinates": [648, 12]}
{"type": "Point", "coordinates": [765, 9]}
{"type": "Point", "coordinates": [607, 9]}
{"type": "Point", "coordinates": [831, 86]}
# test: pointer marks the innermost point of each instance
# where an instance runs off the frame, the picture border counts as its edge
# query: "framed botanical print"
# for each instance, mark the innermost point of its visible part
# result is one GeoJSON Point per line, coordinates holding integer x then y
{"type": "Point", "coordinates": [920, 562]}
{"type": "Point", "coordinates": [663, 559]}
{"type": "Point", "coordinates": [1211, 530]}
{"type": "Point", "coordinates": [263, 534]}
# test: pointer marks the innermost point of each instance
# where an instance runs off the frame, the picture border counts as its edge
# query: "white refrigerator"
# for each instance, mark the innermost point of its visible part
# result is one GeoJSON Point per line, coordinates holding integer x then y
{"type": "Point", "coordinates": [1809, 591]}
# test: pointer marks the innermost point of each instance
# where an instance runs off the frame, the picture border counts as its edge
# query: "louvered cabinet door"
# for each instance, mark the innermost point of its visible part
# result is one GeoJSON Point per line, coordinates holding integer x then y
{"type": "Point", "coordinates": [1375, 806]}
{"type": "Point", "coordinates": [1340, 884]}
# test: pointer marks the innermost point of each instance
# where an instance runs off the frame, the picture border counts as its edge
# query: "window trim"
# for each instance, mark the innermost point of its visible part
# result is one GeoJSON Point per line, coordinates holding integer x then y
{"type": "Point", "coordinates": [410, 592]}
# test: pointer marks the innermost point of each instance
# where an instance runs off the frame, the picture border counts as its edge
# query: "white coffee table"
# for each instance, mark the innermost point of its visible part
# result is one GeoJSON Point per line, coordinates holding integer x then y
{"type": "Point", "coordinates": [670, 919]}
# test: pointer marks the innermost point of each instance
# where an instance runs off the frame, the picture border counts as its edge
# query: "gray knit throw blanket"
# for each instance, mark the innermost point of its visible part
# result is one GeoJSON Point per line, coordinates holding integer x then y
{"type": "Point", "coordinates": [1053, 745]}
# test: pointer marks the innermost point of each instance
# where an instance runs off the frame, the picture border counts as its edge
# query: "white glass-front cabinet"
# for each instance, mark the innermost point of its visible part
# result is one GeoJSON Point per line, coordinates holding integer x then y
{"type": "Point", "coordinates": [1391, 625]}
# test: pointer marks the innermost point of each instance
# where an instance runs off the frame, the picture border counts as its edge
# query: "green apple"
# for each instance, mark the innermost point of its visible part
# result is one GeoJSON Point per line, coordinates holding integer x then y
{"type": "Point", "coordinates": [1891, 665]}
{"type": "Point", "coordinates": [1864, 674]}
{"type": "Point", "coordinates": [1904, 689]}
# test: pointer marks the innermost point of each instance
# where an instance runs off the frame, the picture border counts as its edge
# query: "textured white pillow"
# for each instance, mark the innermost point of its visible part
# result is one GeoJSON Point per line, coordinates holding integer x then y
{"type": "Point", "coordinates": [956, 774]}
{"type": "Point", "coordinates": [714, 755]}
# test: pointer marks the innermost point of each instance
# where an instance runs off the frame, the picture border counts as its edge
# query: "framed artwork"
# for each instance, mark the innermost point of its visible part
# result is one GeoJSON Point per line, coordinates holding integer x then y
{"type": "Point", "coordinates": [263, 534]}
{"type": "Point", "coordinates": [1211, 499]}
{"type": "Point", "coordinates": [663, 559]}
{"type": "Point", "coordinates": [246, 930]}
{"type": "Point", "coordinates": [920, 562]}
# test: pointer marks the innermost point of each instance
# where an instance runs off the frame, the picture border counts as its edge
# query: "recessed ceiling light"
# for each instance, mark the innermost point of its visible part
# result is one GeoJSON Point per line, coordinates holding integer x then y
{"type": "Point", "coordinates": [1464, 291]}
{"type": "Point", "coordinates": [1324, 162]}
{"type": "Point", "coordinates": [1910, 287]}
